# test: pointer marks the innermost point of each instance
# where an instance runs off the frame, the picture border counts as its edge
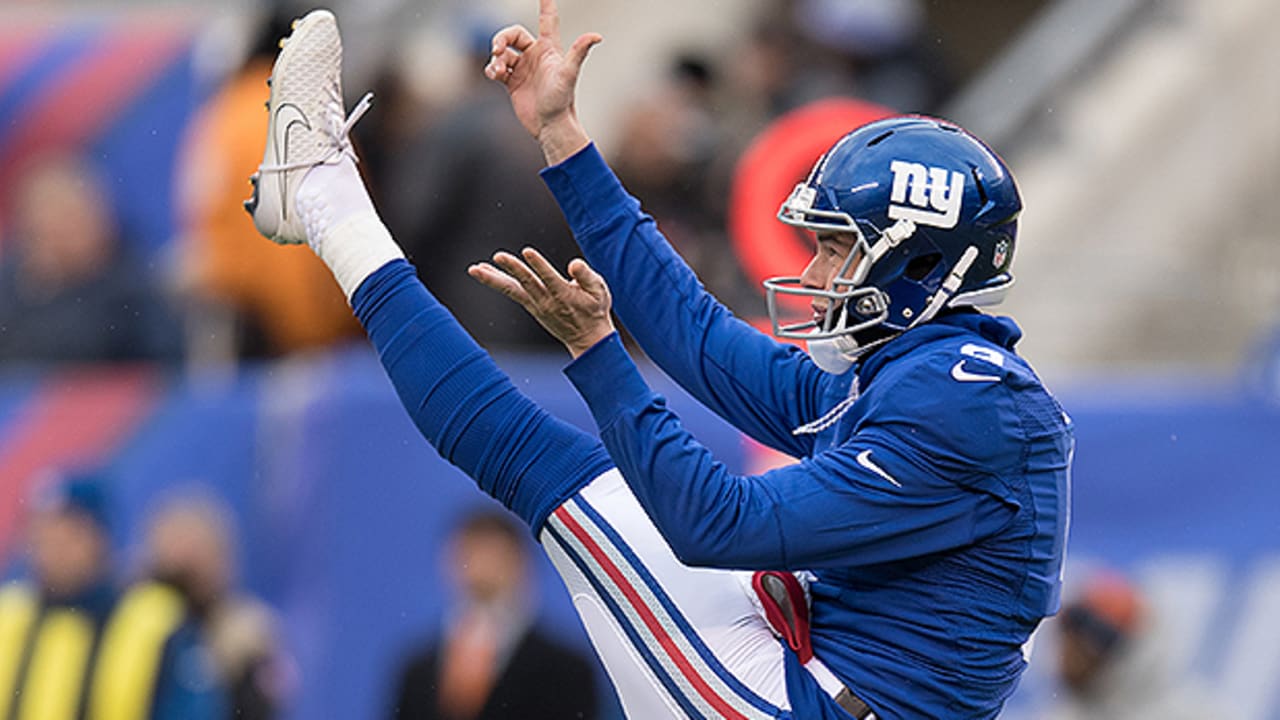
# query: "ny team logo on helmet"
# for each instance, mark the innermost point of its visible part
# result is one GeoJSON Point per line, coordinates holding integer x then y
{"type": "Point", "coordinates": [929, 188]}
{"type": "Point", "coordinates": [933, 213]}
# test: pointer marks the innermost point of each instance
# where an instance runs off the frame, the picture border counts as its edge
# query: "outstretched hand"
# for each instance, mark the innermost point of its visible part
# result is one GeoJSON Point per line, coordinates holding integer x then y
{"type": "Point", "coordinates": [574, 309]}
{"type": "Point", "coordinates": [541, 78]}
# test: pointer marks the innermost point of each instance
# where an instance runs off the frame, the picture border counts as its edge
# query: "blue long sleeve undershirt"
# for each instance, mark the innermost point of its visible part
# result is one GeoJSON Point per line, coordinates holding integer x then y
{"type": "Point", "coordinates": [466, 407]}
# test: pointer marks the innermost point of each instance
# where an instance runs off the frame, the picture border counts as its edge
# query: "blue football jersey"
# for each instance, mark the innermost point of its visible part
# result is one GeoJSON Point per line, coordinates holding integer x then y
{"type": "Point", "coordinates": [932, 514]}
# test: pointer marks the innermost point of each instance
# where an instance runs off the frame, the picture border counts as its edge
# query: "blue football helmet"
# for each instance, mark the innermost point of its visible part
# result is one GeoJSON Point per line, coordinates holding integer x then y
{"type": "Point", "coordinates": [934, 215]}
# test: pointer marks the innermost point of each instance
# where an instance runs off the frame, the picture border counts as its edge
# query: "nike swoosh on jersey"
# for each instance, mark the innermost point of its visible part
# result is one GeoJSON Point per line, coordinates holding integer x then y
{"type": "Point", "coordinates": [287, 116]}
{"type": "Point", "coordinates": [864, 459]}
{"type": "Point", "coordinates": [959, 374]}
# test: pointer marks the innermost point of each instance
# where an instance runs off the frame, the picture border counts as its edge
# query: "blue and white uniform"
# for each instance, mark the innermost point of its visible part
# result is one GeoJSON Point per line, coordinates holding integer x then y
{"type": "Point", "coordinates": [931, 514]}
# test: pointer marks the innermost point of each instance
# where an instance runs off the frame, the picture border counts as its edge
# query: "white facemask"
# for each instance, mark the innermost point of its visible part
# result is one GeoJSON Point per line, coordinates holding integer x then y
{"type": "Point", "coordinates": [830, 355]}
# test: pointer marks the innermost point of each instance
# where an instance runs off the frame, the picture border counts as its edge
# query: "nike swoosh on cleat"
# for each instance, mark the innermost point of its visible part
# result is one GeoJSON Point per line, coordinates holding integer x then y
{"type": "Point", "coordinates": [961, 375]}
{"type": "Point", "coordinates": [287, 115]}
{"type": "Point", "coordinates": [864, 459]}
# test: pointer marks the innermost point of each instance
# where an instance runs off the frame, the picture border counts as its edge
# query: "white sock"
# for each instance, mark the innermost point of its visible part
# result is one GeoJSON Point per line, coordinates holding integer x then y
{"type": "Point", "coordinates": [343, 228]}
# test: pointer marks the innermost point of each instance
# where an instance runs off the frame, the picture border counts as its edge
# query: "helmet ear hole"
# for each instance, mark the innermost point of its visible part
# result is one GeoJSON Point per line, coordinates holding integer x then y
{"type": "Point", "coordinates": [920, 267]}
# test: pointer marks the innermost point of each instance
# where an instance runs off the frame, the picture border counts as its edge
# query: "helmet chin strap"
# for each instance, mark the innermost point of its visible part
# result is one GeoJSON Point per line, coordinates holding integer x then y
{"type": "Point", "coordinates": [836, 355]}
{"type": "Point", "coordinates": [949, 287]}
{"type": "Point", "coordinates": [829, 356]}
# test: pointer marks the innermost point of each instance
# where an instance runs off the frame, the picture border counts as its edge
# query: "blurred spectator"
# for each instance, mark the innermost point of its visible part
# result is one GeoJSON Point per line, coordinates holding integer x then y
{"type": "Point", "coordinates": [69, 291]}
{"type": "Point", "coordinates": [869, 49]}
{"type": "Point", "coordinates": [492, 663]}
{"type": "Point", "coordinates": [381, 136]}
{"type": "Point", "coordinates": [240, 310]}
{"type": "Point", "coordinates": [189, 548]}
{"type": "Point", "coordinates": [465, 188]}
{"type": "Point", "coordinates": [71, 647]}
{"type": "Point", "coordinates": [667, 149]}
{"type": "Point", "coordinates": [668, 137]}
{"type": "Point", "coordinates": [1111, 663]}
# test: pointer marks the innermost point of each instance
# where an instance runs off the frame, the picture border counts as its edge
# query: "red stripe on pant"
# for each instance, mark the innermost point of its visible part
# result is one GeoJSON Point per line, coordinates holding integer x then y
{"type": "Point", "coordinates": [647, 616]}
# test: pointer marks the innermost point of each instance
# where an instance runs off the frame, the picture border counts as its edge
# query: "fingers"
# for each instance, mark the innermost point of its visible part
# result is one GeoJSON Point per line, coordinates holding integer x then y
{"type": "Point", "coordinates": [508, 43]}
{"type": "Point", "coordinates": [512, 36]}
{"type": "Point", "coordinates": [533, 279]}
{"type": "Point", "coordinates": [494, 279]}
{"type": "Point", "coordinates": [587, 278]}
{"type": "Point", "coordinates": [494, 71]}
{"type": "Point", "coordinates": [502, 65]}
{"type": "Point", "coordinates": [511, 42]}
{"type": "Point", "coordinates": [581, 47]}
{"type": "Point", "coordinates": [516, 268]}
{"type": "Point", "coordinates": [549, 21]}
{"type": "Point", "coordinates": [551, 278]}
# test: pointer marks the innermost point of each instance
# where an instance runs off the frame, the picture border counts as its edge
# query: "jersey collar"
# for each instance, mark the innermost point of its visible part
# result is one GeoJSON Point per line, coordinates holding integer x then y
{"type": "Point", "coordinates": [1001, 331]}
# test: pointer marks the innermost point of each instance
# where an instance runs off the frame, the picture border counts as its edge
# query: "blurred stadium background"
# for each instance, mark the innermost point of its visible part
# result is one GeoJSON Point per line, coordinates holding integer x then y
{"type": "Point", "coordinates": [1145, 135]}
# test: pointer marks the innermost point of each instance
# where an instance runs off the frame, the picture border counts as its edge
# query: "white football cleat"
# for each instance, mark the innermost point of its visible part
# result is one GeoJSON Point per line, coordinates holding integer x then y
{"type": "Point", "coordinates": [307, 126]}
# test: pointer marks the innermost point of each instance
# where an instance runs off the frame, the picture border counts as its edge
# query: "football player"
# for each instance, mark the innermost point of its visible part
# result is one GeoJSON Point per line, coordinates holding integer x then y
{"type": "Point", "coordinates": [929, 511]}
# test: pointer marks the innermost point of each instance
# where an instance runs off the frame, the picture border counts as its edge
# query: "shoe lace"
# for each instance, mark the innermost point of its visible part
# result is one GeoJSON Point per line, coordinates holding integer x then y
{"type": "Point", "coordinates": [338, 129]}
{"type": "Point", "coordinates": [342, 139]}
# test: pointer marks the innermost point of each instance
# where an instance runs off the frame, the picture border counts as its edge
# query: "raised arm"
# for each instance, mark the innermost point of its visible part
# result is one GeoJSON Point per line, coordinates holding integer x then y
{"type": "Point", "coordinates": [541, 78]}
{"type": "Point", "coordinates": [839, 508]}
{"type": "Point", "coordinates": [762, 387]}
